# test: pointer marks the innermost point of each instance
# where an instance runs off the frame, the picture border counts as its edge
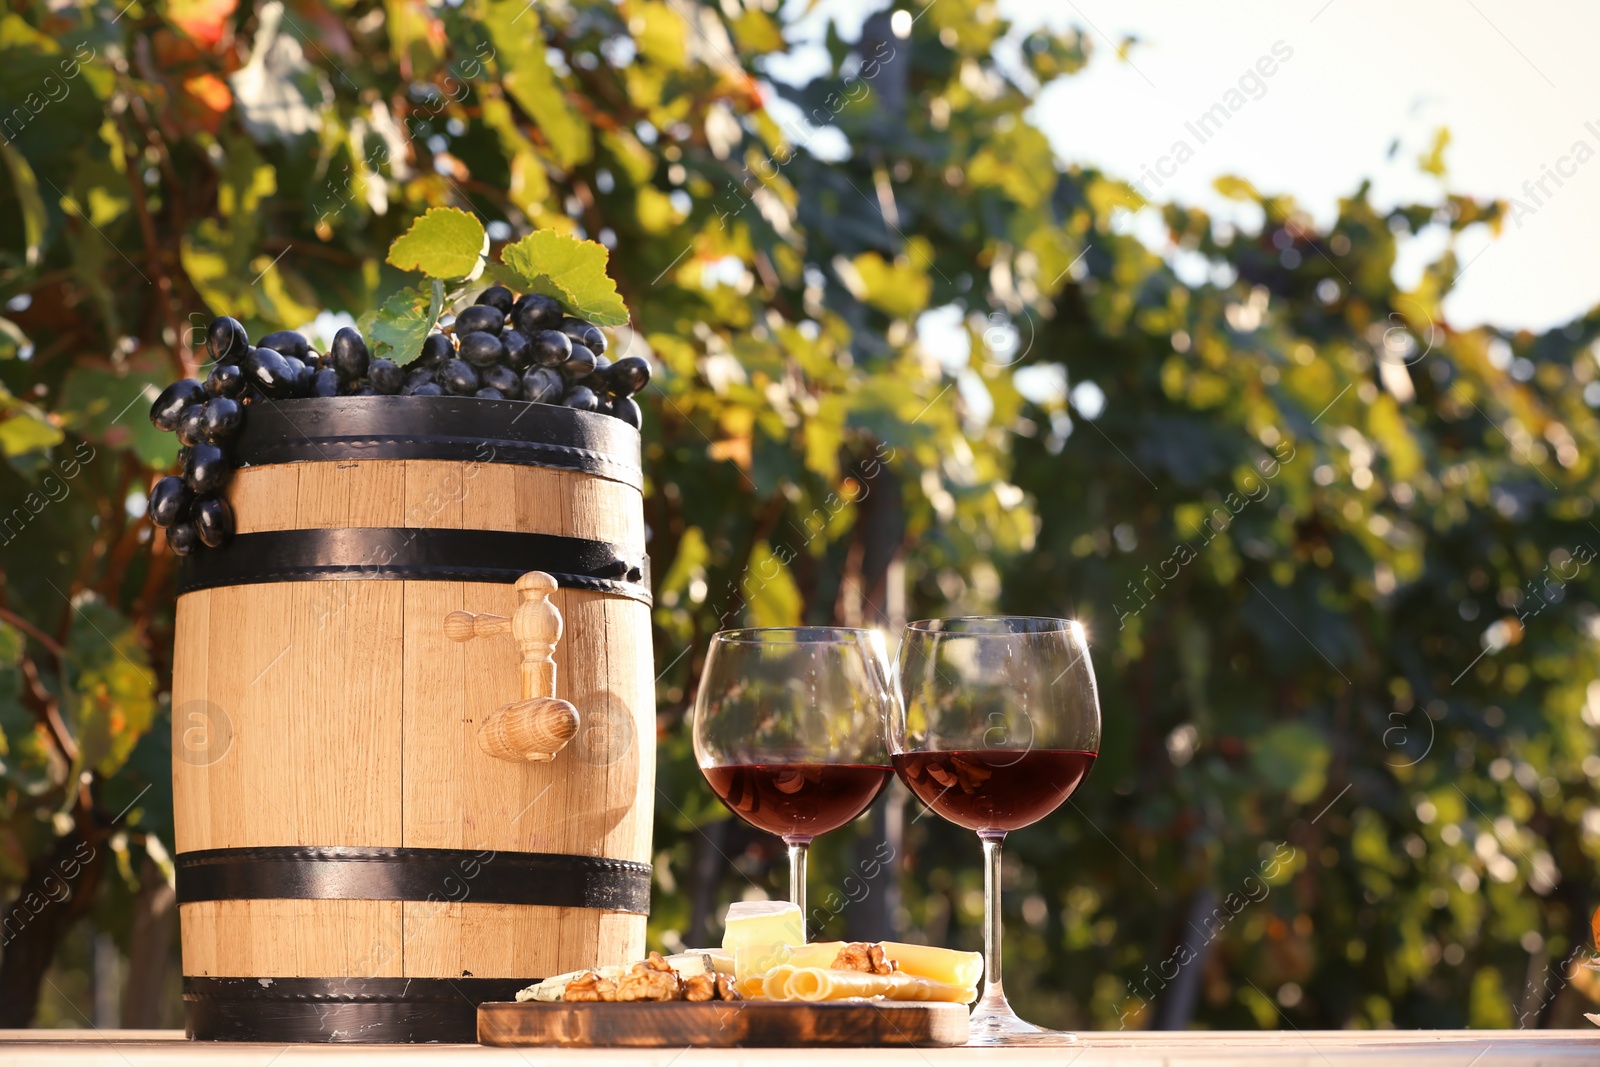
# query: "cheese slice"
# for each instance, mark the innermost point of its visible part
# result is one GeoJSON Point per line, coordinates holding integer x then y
{"type": "Point", "coordinates": [821, 983]}
{"type": "Point", "coordinates": [761, 934]}
{"type": "Point", "coordinates": [775, 984]}
{"type": "Point", "coordinates": [946, 965]}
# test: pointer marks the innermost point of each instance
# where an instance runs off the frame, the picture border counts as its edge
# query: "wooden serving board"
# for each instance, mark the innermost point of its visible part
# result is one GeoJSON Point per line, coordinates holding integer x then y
{"type": "Point", "coordinates": [723, 1024]}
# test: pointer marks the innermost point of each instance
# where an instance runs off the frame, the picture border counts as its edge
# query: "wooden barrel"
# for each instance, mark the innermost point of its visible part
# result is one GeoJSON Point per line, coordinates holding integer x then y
{"type": "Point", "coordinates": [352, 865]}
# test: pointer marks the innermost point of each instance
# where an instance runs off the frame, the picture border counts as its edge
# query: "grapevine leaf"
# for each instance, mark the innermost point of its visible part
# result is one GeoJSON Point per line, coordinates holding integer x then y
{"type": "Point", "coordinates": [445, 242]}
{"type": "Point", "coordinates": [571, 271]}
{"type": "Point", "coordinates": [113, 698]}
{"type": "Point", "coordinates": [520, 54]}
{"type": "Point", "coordinates": [34, 219]}
{"type": "Point", "coordinates": [398, 328]}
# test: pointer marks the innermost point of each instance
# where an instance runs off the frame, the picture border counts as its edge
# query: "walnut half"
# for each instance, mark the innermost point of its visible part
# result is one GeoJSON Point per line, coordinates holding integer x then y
{"type": "Point", "coordinates": [589, 988]}
{"type": "Point", "coordinates": [865, 957]}
{"type": "Point", "coordinates": [654, 979]}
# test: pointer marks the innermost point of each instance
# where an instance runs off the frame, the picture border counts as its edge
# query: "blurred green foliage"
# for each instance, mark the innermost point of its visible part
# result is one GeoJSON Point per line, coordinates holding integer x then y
{"type": "Point", "coordinates": [1335, 555]}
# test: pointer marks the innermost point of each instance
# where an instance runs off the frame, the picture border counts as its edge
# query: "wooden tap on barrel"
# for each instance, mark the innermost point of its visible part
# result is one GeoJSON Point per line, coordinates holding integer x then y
{"type": "Point", "coordinates": [539, 725]}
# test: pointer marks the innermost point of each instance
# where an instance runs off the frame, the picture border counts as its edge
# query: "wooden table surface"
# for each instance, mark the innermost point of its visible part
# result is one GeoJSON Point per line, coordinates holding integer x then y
{"type": "Point", "coordinates": [1196, 1048]}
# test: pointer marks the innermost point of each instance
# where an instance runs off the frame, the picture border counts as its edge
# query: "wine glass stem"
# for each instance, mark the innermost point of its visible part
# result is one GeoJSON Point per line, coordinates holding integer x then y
{"type": "Point", "coordinates": [992, 990]}
{"type": "Point", "coordinates": [797, 875]}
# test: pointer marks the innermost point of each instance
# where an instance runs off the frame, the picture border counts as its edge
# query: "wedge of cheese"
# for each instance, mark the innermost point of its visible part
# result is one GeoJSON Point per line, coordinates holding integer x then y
{"type": "Point", "coordinates": [816, 954]}
{"type": "Point", "coordinates": [761, 934]}
{"type": "Point", "coordinates": [963, 969]}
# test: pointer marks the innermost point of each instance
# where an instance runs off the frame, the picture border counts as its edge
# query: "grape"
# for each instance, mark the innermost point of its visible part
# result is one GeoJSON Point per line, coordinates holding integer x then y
{"type": "Point", "coordinates": [182, 461]}
{"type": "Point", "coordinates": [300, 376]}
{"type": "Point", "coordinates": [417, 375]}
{"type": "Point", "coordinates": [519, 350]}
{"type": "Point", "coordinates": [169, 406]}
{"type": "Point", "coordinates": [169, 501]}
{"type": "Point", "coordinates": [325, 382]}
{"type": "Point", "coordinates": [582, 398]}
{"type": "Point", "coordinates": [504, 380]}
{"type": "Point", "coordinates": [192, 425]}
{"type": "Point", "coordinates": [386, 378]}
{"type": "Point", "coordinates": [427, 389]}
{"type": "Point", "coordinates": [213, 521]}
{"type": "Point", "coordinates": [207, 470]}
{"type": "Point", "coordinates": [629, 375]}
{"type": "Point", "coordinates": [286, 343]}
{"type": "Point", "coordinates": [226, 340]}
{"type": "Point", "coordinates": [482, 349]}
{"type": "Point", "coordinates": [226, 380]}
{"type": "Point", "coordinates": [626, 408]}
{"type": "Point", "coordinates": [584, 333]}
{"type": "Point", "coordinates": [486, 393]}
{"type": "Point", "coordinates": [364, 390]}
{"type": "Point", "coordinates": [182, 538]}
{"type": "Point", "coordinates": [436, 349]}
{"type": "Point", "coordinates": [458, 378]}
{"type": "Point", "coordinates": [578, 365]}
{"type": "Point", "coordinates": [480, 318]}
{"type": "Point", "coordinates": [535, 312]}
{"type": "Point", "coordinates": [497, 296]}
{"type": "Point", "coordinates": [551, 348]}
{"type": "Point", "coordinates": [222, 418]}
{"type": "Point", "coordinates": [350, 356]}
{"type": "Point", "coordinates": [542, 385]}
{"type": "Point", "coordinates": [268, 371]}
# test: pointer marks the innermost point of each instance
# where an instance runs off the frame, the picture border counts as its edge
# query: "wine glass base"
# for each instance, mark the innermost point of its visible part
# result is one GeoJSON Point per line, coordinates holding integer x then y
{"type": "Point", "coordinates": [996, 1024]}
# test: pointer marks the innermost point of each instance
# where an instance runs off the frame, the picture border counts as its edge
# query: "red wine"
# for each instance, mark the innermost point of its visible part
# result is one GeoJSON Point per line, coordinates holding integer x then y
{"type": "Point", "coordinates": [797, 799]}
{"type": "Point", "coordinates": [993, 789]}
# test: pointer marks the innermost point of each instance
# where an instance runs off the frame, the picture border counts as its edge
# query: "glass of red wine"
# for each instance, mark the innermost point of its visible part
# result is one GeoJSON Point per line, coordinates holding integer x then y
{"type": "Point", "coordinates": [789, 730]}
{"type": "Point", "coordinates": [1000, 724]}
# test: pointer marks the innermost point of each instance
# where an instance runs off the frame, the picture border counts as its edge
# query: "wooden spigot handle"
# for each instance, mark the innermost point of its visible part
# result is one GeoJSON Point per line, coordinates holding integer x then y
{"type": "Point", "coordinates": [538, 726]}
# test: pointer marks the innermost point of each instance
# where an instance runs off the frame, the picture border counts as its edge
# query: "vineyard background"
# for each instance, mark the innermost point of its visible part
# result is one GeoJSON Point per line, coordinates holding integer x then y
{"type": "Point", "coordinates": [1335, 555]}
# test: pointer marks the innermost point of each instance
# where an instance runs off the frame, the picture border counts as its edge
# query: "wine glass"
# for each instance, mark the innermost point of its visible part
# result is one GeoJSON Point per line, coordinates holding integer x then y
{"type": "Point", "coordinates": [1001, 722]}
{"type": "Point", "coordinates": [789, 730]}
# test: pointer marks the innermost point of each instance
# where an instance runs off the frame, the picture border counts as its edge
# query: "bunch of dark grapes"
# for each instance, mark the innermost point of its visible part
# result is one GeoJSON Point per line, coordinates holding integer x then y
{"type": "Point", "coordinates": [501, 348]}
{"type": "Point", "coordinates": [506, 347]}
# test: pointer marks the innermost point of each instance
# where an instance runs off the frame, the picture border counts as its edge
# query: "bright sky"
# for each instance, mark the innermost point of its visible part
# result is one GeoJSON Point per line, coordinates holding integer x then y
{"type": "Point", "coordinates": [1515, 82]}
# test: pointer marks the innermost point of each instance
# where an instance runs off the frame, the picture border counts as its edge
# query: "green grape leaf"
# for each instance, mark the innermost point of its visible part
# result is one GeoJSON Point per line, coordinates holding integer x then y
{"type": "Point", "coordinates": [445, 242]}
{"type": "Point", "coordinates": [397, 329]}
{"type": "Point", "coordinates": [12, 339]}
{"type": "Point", "coordinates": [110, 406]}
{"type": "Point", "coordinates": [25, 432]}
{"type": "Point", "coordinates": [113, 699]}
{"type": "Point", "coordinates": [571, 271]}
{"type": "Point", "coordinates": [519, 52]}
{"type": "Point", "coordinates": [34, 219]}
